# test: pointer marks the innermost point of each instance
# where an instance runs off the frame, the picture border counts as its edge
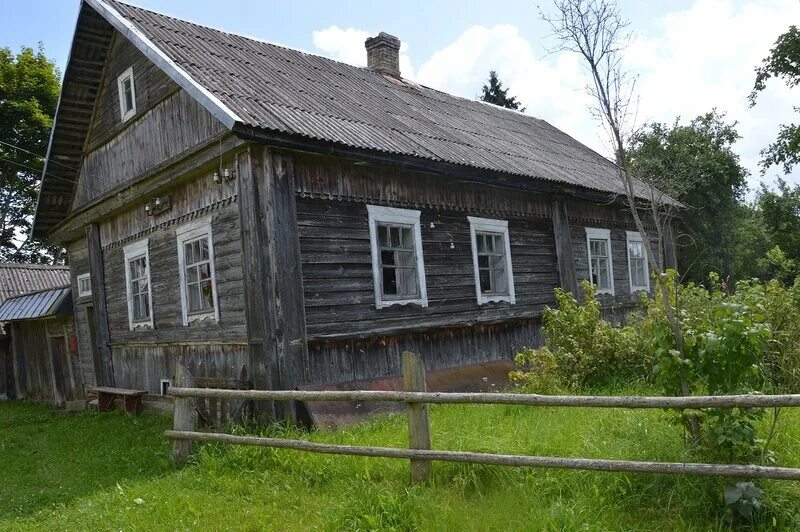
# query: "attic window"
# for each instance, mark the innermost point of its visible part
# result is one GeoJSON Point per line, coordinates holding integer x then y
{"type": "Point", "coordinates": [127, 94]}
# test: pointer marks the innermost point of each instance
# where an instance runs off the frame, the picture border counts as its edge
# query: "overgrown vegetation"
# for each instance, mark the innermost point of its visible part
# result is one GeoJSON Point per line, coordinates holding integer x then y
{"type": "Point", "coordinates": [741, 341]}
{"type": "Point", "coordinates": [112, 472]}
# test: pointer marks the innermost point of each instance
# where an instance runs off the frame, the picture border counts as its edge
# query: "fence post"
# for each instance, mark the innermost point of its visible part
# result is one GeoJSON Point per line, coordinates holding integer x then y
{"type": "Point", "coordinates": [185, 416]}
{"type": "Point", "coordinates": [419, 428]}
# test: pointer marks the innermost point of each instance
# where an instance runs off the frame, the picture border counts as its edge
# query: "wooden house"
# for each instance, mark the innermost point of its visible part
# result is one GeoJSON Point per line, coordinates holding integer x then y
{"type": "Point", "coordinates": [38, 347]}
{"type": "Point", "coordinates": [245, 205]}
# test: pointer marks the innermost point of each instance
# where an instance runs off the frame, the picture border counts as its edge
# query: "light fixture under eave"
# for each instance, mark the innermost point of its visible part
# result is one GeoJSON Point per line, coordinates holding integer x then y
{"type": "Point", "coordinates": [217, 178]}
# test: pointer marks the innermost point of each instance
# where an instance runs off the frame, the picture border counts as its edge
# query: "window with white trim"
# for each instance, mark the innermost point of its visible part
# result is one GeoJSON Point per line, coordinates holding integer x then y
{"type": "Point", "coordinates": [398, 268]}
{"type": "Point", "coordinates": [601, 269]}
{"type": "Point", "coordinates": [127, 94]}
{"type": "Point", "coordinates": [137, 282]}
{"type": "Point", "coordinates": [197, 275]}
{"type": "Point", "coordinates": [85, 285]}
{"type": "Point", "coordinates": [491, 259]}
{"type": "Point", "coordinates": [638, 268]}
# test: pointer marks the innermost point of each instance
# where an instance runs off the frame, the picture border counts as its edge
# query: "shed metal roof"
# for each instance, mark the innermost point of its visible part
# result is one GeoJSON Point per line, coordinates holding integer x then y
{"type": "Point", "coordinates": [16, 279]}
{"type": "Point", "coordinates": [36, 305]}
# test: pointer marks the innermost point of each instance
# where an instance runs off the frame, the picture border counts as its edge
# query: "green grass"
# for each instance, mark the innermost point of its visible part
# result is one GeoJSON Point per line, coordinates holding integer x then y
{"type": "Point", "coordinates": [112, 472]}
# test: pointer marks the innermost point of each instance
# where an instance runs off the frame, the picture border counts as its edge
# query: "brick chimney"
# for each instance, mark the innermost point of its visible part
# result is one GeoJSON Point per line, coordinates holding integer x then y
{"type": "Point", "coordinates": [383, 54]}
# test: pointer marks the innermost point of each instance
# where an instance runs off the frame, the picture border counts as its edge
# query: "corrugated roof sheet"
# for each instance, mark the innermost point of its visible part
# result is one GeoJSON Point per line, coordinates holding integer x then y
{"type": "Point", "coordinates": [16, 279]}
{"type": "Point", "coordinates": [35, 305]}
{"type": "Point", "coordinates": [288, 91]}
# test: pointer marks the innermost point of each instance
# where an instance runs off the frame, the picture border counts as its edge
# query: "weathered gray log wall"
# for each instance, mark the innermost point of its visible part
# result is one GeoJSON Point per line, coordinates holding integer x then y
{"type": "Point", "coordinates": [168, 125]}
{"type": "Point", "coordinates": [144, 356]}
{"type": "Point", "coordinates": [78, 265]}
{"type": "Point", "coordinates": [43, 363]}
{"type": "Point", "coordinates": [349, 339]}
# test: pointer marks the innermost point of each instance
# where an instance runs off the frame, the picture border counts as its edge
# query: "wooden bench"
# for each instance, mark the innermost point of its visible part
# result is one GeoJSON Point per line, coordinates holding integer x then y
{"type": "Point", "coordinates": [131, 399]}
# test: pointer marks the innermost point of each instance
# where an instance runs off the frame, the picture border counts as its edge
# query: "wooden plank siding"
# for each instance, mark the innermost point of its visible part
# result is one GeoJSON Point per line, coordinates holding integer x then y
{"type": "Point", "coordinates": [42, 360]}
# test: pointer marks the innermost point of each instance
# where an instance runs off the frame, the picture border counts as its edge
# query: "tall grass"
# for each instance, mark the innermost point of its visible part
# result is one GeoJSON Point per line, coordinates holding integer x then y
{"type": "Point", "coordinates": [229, 487]}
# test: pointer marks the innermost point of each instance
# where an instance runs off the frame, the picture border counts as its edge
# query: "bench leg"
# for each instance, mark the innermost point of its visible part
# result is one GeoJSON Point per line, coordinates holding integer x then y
{"type": "Point", "coordinates": [132, 404]}
{"type": "Point", "coordinates": [105, 401]}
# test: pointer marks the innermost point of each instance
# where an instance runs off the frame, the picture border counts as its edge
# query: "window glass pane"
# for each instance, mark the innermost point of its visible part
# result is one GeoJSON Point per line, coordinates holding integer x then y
{"type": "Point", "coordinates": [191, 275]}
{"type": "Point", "coordinates": [408, 238]}
{"type": "Point", "coordinates": [203, 244]}
{"type": "Point", "coordinates": [188, 253]}
{"type": "Point", "coordinates": [383, 235]}
{"type": "Point", "coordinates": [602, 274]}
{"type": "Point", "coordinates": [207, 292]}
{"type": "Point", "coordinates": [193, 296]}
{"type": "Point", "coordinates": [387, 258]}
{"type": "Point", "coordinates": [146, 305]}
{"type": "Point", "coordinates": [395, 233]}
{"type": "Point", "coordinates": [483, 261]}
{"type": "Point", "coordinates": [499, 244]}
{"type": "Point", "coordinates": [389, 282]}
{"type": "Point", "coordinates": [127, 93]}
{"type": "Point", "coordinates": [485, 277]}
{"type": "Point", "coordinates": [480, 240]}
{"type": "Point", "coordinates": [204, 270]}
{"type": "Point", "coordinates": [404, 258]}
{"type": "Point", "coordinates": [499, 282]}
{"type": "Point", "coordinates": [598, 248]}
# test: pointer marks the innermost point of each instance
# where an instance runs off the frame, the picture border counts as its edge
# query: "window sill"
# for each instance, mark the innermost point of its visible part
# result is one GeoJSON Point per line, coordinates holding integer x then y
{"type": "Point", "coordinates": [637, 289]}
{"type": "Point", "coordinates": [385, 304]}
{"type": "Point", "coordinates": [142, 326]}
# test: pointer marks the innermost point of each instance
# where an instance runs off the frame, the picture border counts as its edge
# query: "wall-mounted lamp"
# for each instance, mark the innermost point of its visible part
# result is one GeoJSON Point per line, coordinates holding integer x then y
{"type": "Point", "coordinates": [158, 205]}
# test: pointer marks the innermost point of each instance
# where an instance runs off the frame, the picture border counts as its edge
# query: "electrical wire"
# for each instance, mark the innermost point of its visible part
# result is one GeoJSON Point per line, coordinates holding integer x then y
{"type": "Point", "coordinates": [32, 169]}
{"type": "Point", "coordinates": [36, 155]}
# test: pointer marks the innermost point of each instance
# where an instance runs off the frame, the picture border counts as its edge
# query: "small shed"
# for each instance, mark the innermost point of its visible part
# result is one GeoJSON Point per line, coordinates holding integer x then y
{"type": "Point", "coordinates": [42, 341]}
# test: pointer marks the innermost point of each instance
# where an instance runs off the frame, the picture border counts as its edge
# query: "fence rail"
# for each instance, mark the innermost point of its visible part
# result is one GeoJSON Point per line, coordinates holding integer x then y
{"type": "Point", "coordinates": [420, 454]}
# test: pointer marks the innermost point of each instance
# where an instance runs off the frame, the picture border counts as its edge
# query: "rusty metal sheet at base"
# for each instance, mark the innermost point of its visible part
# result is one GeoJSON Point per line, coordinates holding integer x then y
{"type": "Point", "coordinates": [485, 377]}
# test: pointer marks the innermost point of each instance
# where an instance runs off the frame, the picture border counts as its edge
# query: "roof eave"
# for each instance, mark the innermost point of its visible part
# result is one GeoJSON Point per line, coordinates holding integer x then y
{"type": "Point", "coordinates": [213, 104]}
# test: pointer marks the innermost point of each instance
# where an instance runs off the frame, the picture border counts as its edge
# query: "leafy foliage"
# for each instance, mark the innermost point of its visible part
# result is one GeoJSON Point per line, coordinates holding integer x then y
{"type": "Point", "coordinates": [587, 351]}
{"type": "Point", "coordinates": [696, 164]}
{"type": "Point", "coordinates": [29, 88]}
{"type": "Point", "coordinates": [742, 499]}
{"type": "Point", "coordinates": [782, 62]}
{"type": "Point", "coordinates": [494, 93]}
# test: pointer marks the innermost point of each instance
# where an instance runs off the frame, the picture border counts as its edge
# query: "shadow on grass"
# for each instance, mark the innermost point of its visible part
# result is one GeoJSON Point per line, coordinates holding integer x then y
{"type": "Point", "coordinates": [50, 459]}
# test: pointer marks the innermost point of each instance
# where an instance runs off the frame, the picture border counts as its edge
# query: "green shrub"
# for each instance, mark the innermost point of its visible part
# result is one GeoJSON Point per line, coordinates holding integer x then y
{"type": "Point", "coordinates": [588, 351]}
{"type": "Point", "coordinates": [537, 372]}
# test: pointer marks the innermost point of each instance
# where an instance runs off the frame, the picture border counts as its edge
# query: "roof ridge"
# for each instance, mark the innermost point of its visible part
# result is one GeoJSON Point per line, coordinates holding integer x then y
{"type": "Point", "coordinates": [30, 266]}
{"type": "Point", "coordinates": [407, 82]}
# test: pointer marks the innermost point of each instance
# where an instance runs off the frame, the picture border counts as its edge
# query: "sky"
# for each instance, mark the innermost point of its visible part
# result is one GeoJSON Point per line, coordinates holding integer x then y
{"type": "Point", "coordinates": [688, 56]}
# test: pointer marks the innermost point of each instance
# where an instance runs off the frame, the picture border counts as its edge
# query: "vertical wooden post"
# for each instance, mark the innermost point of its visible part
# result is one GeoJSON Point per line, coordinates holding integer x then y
{"type": "Point", "coordinates": [563, 242]}
{"type": "Point", "coordinates": [103, 339]}
{"type": "Point", "coordinates": [670, 253]}
{"type": "Point", "coordinates": [419, 427]}
{"type": "Point", "coordinates": [20, 364]}
{"type": "Point", "coordinates": [274, 303]}
{"type": "Point", "coordinates": [185, 416]}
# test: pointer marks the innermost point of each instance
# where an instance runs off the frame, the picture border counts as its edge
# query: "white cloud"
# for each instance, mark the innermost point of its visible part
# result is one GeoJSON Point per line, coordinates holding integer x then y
{"type": "Point", "coordinates": [347, 46]}
{"type": "Point", "coordinates": [705, 56]}
{"type": "Point", "coordinates": [687, 61]}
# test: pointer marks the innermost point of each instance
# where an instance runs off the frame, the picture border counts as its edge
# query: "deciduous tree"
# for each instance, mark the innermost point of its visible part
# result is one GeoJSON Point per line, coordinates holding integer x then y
{"type": "Point", "coordinates": [29, 88]}
{"type": "Point", "coordinates": [782, 62]}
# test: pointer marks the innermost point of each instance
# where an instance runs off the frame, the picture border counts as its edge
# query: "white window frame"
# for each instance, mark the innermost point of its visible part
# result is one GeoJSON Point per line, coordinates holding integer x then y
{"type": "Point", "coordinates": [185, 233]}
{"type": "Point", "coordinates": [84, 277]}
{"type": "Point", "coordinates": [477, 225]}
{"type": "Point", "coordinates": [135, 251]}
{"type": "Point", "coordinates": [379, 214]}
{"type": "Point", "coordinates": [120, 79]}
{"type": "Point", "coordinates": [633, 237]}
{"type": "Point", "coordinates": [593, 233]}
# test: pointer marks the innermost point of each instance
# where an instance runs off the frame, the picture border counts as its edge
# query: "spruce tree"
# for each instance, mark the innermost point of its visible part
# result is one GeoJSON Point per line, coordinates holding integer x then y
{"type": "Point", "coordinates": [494, 93]}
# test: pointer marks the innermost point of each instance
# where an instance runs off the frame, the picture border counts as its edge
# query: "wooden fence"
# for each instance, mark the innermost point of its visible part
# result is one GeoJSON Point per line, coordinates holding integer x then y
{"type": "Point", "coordinates": [420, 454]}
